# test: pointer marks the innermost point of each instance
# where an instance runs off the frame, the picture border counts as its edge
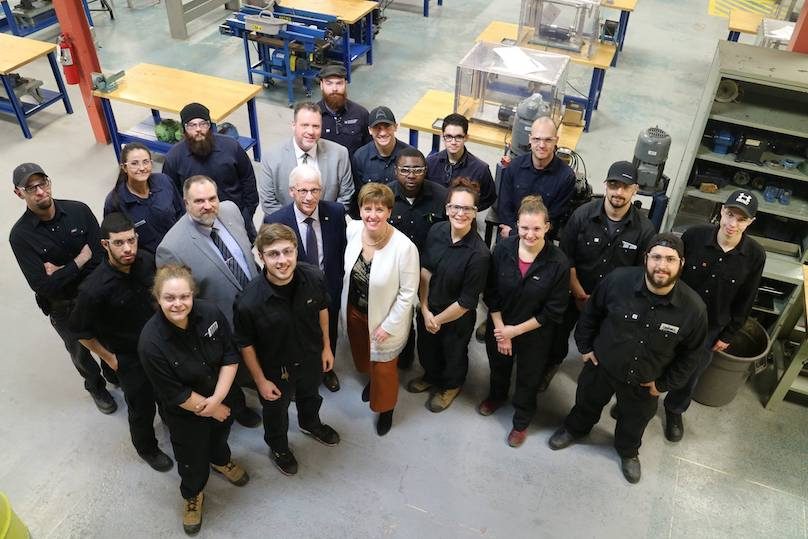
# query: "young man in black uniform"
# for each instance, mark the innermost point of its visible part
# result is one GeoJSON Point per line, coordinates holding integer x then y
{"type": "Point", "coordinates": [724, 267]}
{"type": "Point", "coordinates": [640, 335]}
{"type": "Point", "coordinates": [114, 303]}
{"type": "Point", "coordinates": [281, 321]}
{"type": "Point", "coordinates": [417, 206]}
{"type": "Point", "coordinates": [600, 236]}
{"type": "Point", "coordinates": [57, 244]}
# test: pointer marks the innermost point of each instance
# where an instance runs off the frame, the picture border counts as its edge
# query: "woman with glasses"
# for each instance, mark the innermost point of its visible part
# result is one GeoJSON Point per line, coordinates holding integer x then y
{"type": "Point", "coordinates": [148, 198]}
{"type": "Point", "coordinates": [378, 293]}
{"type": "Point", "coordinates": [453, 272]}
{"type": "Point", "coordinates": [526, 295]}
{"type": "Point", "coordinates": [188, 353]}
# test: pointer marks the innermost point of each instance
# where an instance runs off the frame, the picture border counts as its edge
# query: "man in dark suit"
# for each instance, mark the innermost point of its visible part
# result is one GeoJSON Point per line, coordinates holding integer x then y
{"type": "Point", "coordinates": [320, 229]}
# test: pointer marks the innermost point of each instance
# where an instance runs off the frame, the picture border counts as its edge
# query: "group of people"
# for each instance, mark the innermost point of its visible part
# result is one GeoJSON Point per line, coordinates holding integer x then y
{"type": "Point", "coordinates": [361, 228]}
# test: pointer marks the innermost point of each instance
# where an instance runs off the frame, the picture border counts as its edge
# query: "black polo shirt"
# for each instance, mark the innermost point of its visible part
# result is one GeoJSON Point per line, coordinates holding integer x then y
{"type": "Point", "coordinates": [368, 165]}
{"type": "Point", "coordinates": [727, 282]}
{"type": "Point", "coordinates": [458, 269]}
{"type": "Point", "coordinates": [594, 252]}
{"type": "Point", "coordinates": [348, 127]}
{"type": "Point", "coordinates": [639, 336]}
{"type": "Point", "coordinates": [113, 306]}
{"type": "Point", "coordinates": [440, 170]}
{"type": "Point", "coordinates": [57, 241]}
{"type": "Point", "coordinates": [284, 329]}
{"type": "Point", "coordinates": [179, 361]}
{"type": "Point", "coordinates": [541, 294]}
{"type": "Point", "coordinates": [415, 219]}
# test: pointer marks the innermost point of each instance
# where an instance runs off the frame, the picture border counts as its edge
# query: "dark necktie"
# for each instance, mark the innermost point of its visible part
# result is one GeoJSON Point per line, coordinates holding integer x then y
{"type": "Point", "coordinates": [305, 158]}
{"type": "Point", "coordinates": [312, 253]}
{"type": "Point", "coordinates": [229, 259]}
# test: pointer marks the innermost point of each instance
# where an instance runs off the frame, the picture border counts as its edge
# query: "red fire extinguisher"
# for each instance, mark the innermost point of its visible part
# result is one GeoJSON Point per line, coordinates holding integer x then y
{"type": "Point", "coordinates": [69, 66]}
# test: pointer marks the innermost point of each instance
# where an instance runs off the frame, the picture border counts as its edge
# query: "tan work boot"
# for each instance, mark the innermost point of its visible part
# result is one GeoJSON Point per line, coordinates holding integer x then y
{"type": "Point", "coordinates": [192, 518]}
{"type": "Point", "coordinates": [233, 473]}
{"type": "Point", "coordinates": [418, 385]}
{"type": "Point", "coordinates": [442, 399]}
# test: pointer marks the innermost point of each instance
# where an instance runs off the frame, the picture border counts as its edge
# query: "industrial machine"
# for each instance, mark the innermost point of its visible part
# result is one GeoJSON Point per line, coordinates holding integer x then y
{"type": "Point", "coordinates": [650, 155]}
{"type": "Point", "coordinates": [565, 24]}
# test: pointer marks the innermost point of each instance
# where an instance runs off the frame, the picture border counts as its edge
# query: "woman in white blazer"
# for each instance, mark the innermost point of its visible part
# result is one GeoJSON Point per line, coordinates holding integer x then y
{"type": "Point", "coordinates": [379, 290]}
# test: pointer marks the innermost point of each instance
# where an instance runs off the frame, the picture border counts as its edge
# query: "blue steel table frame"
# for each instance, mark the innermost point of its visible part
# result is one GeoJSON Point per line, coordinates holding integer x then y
{"type": "Point", "coordinates": [733, 35]}
{"type": "Point", "coordinates": [426, 7]}
{"type": "Point", "coordinates": [622, 28]}
{"type": "Point", "coordinates": [350, 53]}
{"type": "Point", "coordinates": [44, 22]}
{"type": "Point", "coordinates": [22, 110]}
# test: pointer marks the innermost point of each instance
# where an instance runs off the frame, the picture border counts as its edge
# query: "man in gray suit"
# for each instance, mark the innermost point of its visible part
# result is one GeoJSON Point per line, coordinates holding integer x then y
{"type": "Point", "coordinates": [305, 147]}
{"type": "Point", "coordinates": [212, 241]}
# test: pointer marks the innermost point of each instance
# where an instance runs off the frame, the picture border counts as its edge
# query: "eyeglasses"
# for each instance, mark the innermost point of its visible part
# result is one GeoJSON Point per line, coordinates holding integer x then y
{"type": "Point", "coordinates": [545, 140]}
{"type": "Point", "coordinates": [455, 138]}
{"type": "Point", "coordinates": [411, 170]}
{"type": "Point", "coordinates": [202, 124]}
{"type": "Point", "coordinates": [313, 192]}
{"type": "Point", "coordinates": [289, 252]}
{"type": "Point", "coordinates": [138, 164]}
{"type": "Point", "coordinates": [128, 241]}
{"type": "Point", "coordinates": [31, 189]}
{"type": "Point", "coordinates": [667, 259]}
{"type": "Point", "coordinates": [454, 208]}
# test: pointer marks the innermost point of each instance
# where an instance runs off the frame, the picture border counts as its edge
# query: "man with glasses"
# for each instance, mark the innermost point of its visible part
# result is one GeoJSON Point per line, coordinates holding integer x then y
{"type": "Point", "coordinates": [344, 121]}
{"type": "Point", "coordinates": [320, 229]}
{"type": "Point", "coordinates": [539, 172]}
{"type": "Point", "coordinates": [202, 152]}
{"type": "Point", "coordinates": [114, 303]}
{"type": "Point", "coordinates": [418, 205]}
{"type": "Point", "coordinates": [57, 244]}
{"type": "Point", "coordinates": [455, 160]}
{"type": "Point", "coordinates": [724, 267]}
{"type": "Point", "coordinates": [641, 334]}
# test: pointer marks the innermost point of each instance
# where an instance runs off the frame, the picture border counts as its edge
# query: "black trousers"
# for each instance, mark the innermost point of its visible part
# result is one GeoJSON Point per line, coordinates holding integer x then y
{"type": "Point", "coordinates": [561, 337]}
{"type": "Point", "coordinates": [81, 357]}
{"type": "Point", "coordinates": [635, 407]}
{"type": "Point", "coordinates": [530, 355]}
{"type": "Point", "coordinates": [304, 383]}
{"type": "Point", "coordinates": [444, 355]}
{"type": "Point", "coordinates": [677, 401]}
{"type": "Point", "coordinates": [198, 442]}
{"type": "Point", "coordinates": [140, 403]}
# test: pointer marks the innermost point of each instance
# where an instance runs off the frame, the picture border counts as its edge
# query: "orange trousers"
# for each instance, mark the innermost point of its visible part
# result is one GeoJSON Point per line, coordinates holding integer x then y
{"type": "Point", "coordinates": [383, 374]}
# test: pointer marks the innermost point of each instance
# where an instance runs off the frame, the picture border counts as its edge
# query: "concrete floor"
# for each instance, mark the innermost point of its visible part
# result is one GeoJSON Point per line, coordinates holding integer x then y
{"type": "Point", "coordinates": [70, 472]}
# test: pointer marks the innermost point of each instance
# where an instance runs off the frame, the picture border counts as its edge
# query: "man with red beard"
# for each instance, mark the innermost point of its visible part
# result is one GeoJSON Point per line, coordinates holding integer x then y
{"type": "Point", "coordinates": [202, 152]}
{"type": "Point", "coordinates": [641, 334]}
{"type": "Point", "coordinates": [344, 121]}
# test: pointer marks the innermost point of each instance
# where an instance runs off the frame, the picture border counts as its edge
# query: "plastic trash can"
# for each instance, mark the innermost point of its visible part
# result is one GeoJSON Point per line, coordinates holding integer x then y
{"type": "Point", "coordinates": [729, 369]}
{"type": "Point", "coordinates": [11, 527]}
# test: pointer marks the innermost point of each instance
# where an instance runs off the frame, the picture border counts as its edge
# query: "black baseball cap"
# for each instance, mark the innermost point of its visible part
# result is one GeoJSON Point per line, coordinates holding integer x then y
{"type": "Point", "coordinates": [381, 115]}
{"type": "Point", "coordinates": [191, 111]}
{"type": "Point", "coordinates": [622, 171]}
{"type": "Point", "coordinates": [744, 200]}
{"type": "Point", "coordinates": [333, 70]}
{"type": "Point", "coordinates": [24, 172]}
{"type": "Point", "coordinates": [667, 239]}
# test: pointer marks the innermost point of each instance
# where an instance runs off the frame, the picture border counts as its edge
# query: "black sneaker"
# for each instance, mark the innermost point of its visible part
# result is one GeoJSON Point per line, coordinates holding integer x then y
{"type": "Point", "coordinates": [323, 434]}
{"type": "Point", "coordinates": [104, 401]}
{"type": "Point", "coordinates": [159, 461]}
{"type": "Point", "coordinates": [330, 381]}
{"type": "Point", "coordinates": [285, 461]}
{"type": "Point", "coordinates": [249, 418]}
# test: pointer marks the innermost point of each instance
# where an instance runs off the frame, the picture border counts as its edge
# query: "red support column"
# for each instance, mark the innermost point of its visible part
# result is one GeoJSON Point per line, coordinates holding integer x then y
{"type": "Point", "coordinates": [799, 39]}
{"type": "Point", "coordinates": [73, 21]}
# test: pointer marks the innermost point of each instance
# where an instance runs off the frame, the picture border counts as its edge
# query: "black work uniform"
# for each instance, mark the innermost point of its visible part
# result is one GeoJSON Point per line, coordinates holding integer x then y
{"type": "Point", "coordinates": [59, 241]}
{"type": "Point", "coordinates": [595, 245]}
{"type": "Point", "coordinates": [458, 275]}
{"type": "Point", "coordinates": [112, 307]}
{"type": "Point", "coordinates": [348, 127]}
{"type": "Point", "coordinates": [540, 294]}
{"type": "Point", "coordinates": [282, 323]}
{"type": "Point", "coordinates": [637, 337]}
{"type": "Point", "coordinates": [727, 282]}
{"type": "Point", "coordinates": [179, 362]}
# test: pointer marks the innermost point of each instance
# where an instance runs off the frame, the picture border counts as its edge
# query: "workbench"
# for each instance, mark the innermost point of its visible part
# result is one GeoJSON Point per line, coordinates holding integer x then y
{"type": "Point", "coordinates": [180, 14]}
{"type": "Point", "coordinates": [426, 6]}
{"type": "Point", "coordinates": [600, 60]}
{"type": "Point", "coordinates": [42, 21]}
{"type": "Point", "coordinates": [743, 22]}
{"type": "Point", "coordinates": [168, 90]}
{"type": "Point", "coordinates": [16, 52]}
{"type": "Point", "coordinates": [625, 7]}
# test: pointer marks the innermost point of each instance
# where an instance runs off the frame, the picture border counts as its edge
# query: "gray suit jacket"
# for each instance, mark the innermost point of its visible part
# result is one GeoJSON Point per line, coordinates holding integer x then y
{"type": "Point", "coordinates": [278, 162]}
{"type": "Point", "coordinates": [184, 244]}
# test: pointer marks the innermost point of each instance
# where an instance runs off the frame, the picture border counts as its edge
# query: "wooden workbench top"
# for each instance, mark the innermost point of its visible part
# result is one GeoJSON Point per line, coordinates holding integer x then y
{"type": "Point", "coordinates": [602, 53]}
{"type": "Point", "coordinates": [622, 5]}
{"type": "Point", "coordinates": [18, 51]}
{"type": "Point", "coordinates": [744, 21]}
{"type": "Point", "coordinates": [348, 11]}
{"type": "Point", "coordinates": [438, 104]}
{"type": "Point", "coordinates": [169, 90]}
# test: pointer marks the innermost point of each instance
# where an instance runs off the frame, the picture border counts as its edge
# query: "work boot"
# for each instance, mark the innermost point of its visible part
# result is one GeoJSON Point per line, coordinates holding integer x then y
{"type": "Point", "coordinates": [549, 374]}
{"type": "Point", "coordinates": [384, 423]}
{"type": "Point", "coordinates": [158, 460]}
{"type": "Point", "coordinates": [418, 385]}
{"type": "Point", "coordinates": [233, 473]}
{"type": "Point", "coordinates": [489, 406]}
{"type": "Point", "coordinates": [192, 517]}
{"type": "Point", "coordinates": [442, 399]}
{"type": "Point", "coordinates": [104, 401]}
{"type": "Point", "coordinates": [247, 417]}
{"type": "Point", "coordinates": [330, 381]}
{"type": "Point", "coordinates": [561, 439]}
{"type": "Point", "coordinates": [480, 333]}
{"type": "Point", "coordinates": [631, 469]}
{"type": "Point", "coordinates": [517, 437]}
{"type": "Point", "coordinates": [674, 428]}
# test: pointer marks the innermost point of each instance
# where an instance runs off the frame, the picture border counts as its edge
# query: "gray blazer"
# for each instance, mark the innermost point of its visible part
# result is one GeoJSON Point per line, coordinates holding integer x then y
{"type": "Point", "coordinates": [184, 244]}
{"type": "Point", "coordinates": [278, 162]}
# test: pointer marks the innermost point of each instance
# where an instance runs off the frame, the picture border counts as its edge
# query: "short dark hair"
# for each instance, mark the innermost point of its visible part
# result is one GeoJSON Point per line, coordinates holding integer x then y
{"type": "Point", "coordinates": [115, 222]}
{"type": "Point", "coordinates": [270, 233]}
{"type": "Point", "coordinates": [307, 105]}
{"type": "Point", "coordinates": [199, 178]}
{"type": "Point", "coordinates": [411, 152]}
{"type": "Point", "coordinates": [455, 119]}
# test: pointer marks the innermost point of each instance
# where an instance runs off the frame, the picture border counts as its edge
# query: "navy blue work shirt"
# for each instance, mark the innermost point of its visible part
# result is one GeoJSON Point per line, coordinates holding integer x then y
{"type": "Point", "coordinates": [440, 170]}
{"type": "Point", "coordinates": [347, 127]}
{"type": "Point", "coordinates": [369, 166]}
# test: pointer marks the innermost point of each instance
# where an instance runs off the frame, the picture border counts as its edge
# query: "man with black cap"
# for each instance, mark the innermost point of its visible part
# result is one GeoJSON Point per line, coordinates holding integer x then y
{"type": "Point", "coordinates": [202, 152]}
{"type": "Point", "coordinates": [344, 121]}
{"type": "Point", "coordinates": [723, 265]}
{"type": "Point", "coordinates": [57, 244]}
{"type": "Point", "coordinates": [641, 334]}
{"type": "Point", "coordinates": [600, 236]}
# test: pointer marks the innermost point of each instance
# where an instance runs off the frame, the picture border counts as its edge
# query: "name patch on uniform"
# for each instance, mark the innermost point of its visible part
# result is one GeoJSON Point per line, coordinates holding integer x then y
{"type": "Point", "coordinates": [140, 223]}
{"type": "Point", "coordinates": [669, 328]}
{"type": "Point", "coordinates": [627, 245]}
{"type": "Point", "coordinates": [351, 122]}
{"type": "Point", "coordinates": [212, 329]}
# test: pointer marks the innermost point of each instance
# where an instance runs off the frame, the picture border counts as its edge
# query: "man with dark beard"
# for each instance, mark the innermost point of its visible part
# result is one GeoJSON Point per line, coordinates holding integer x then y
{"type": "Point", "coordinates": [201, 152]}
{"type": "Point", "coordinates": [344, 121]}
{"type": "Point", "coordinates": [641, 334]}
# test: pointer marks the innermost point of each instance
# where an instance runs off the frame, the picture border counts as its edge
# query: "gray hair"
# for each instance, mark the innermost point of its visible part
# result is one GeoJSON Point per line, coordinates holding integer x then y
{"type": "Point", "coordinates": [304, 173]}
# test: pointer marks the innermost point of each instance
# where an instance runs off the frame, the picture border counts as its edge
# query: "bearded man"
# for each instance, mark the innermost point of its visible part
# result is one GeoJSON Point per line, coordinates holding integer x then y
{"type": "Point", "coordinates": [344, 121]}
